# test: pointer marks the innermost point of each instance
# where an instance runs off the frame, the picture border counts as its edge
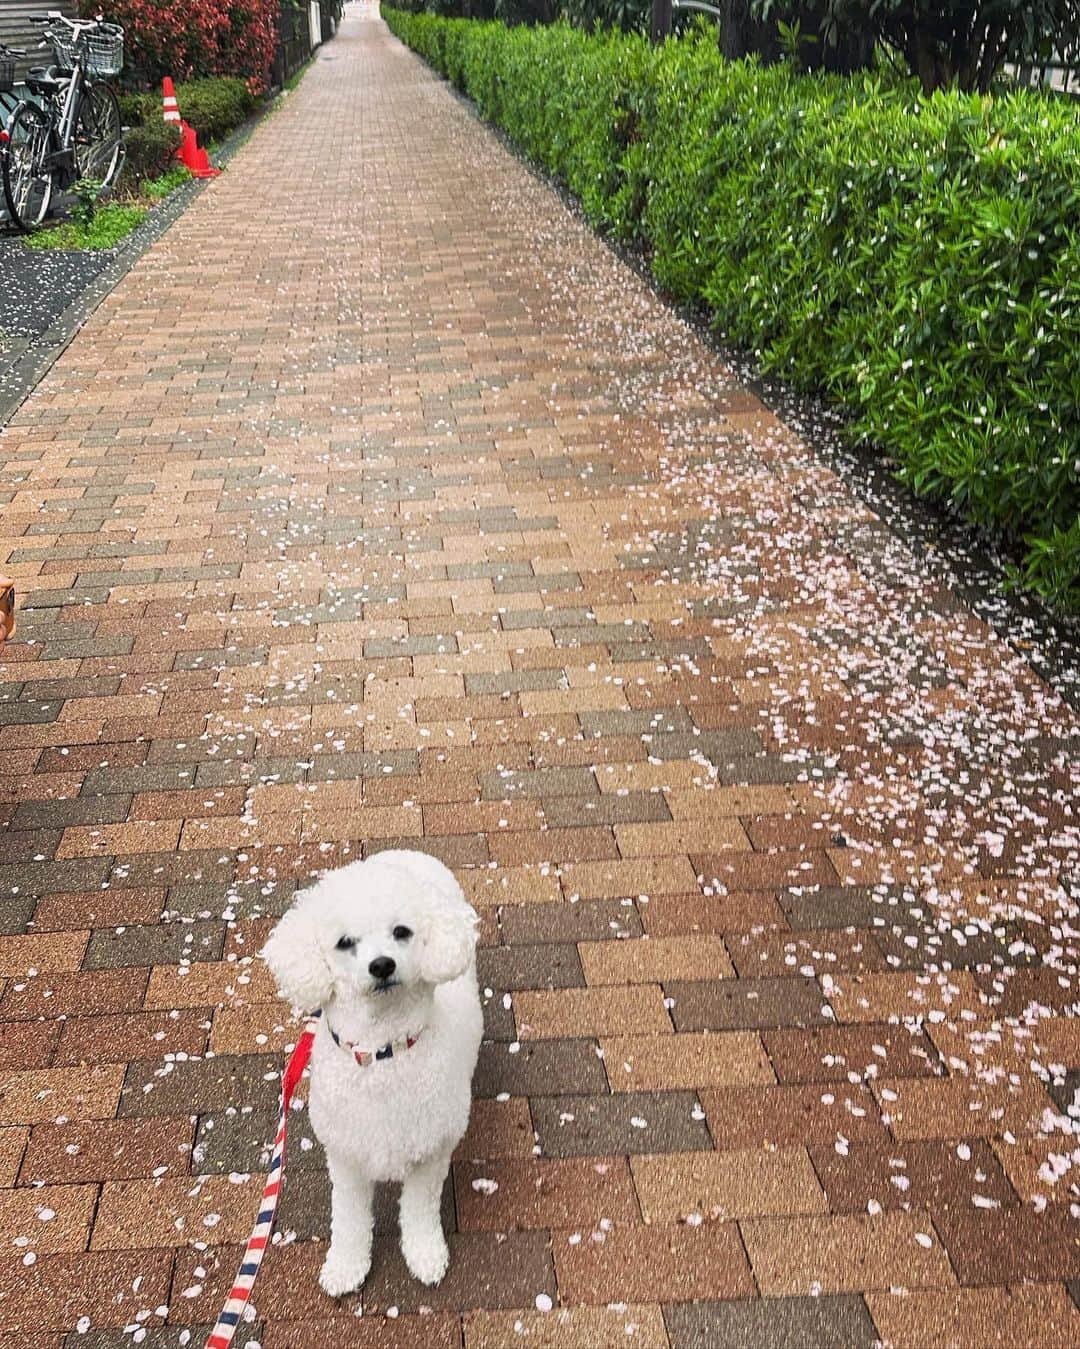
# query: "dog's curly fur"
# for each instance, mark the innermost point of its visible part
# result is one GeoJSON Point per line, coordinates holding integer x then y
{"type": "Point", "coordinates": [400, 1118]}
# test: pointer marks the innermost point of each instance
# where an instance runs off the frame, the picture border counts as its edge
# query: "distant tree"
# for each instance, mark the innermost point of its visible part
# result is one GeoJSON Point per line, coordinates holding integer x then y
{"type": "Point", "coordinates": [767, 30]}
{"type": "Point", "coordinates": [953, 42]}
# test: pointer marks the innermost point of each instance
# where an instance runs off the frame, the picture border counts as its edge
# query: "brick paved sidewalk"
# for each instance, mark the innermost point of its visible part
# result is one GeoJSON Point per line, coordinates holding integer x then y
{"type": "Point", "coordinates": [380, 503]}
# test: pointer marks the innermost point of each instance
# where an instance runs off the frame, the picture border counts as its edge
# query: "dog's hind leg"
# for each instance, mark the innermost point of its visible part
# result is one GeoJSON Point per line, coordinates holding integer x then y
{"type": "Point", "coordinates": [422, 1240]}
{"type": "Point", "coordinates": [349, 1257]}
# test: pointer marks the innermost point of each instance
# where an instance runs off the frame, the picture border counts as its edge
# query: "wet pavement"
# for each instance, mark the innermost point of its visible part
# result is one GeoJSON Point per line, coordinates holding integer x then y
{"type": "Point", "coordinates": [382, 505]}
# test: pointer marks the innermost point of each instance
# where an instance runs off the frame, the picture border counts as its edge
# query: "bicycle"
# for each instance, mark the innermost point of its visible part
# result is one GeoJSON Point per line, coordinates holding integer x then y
{"type": "Point", "coordinates": [75, 131]}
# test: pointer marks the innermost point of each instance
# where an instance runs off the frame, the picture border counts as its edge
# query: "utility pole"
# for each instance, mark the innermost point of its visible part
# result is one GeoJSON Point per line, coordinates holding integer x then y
{"type": "Point", "coordinates": [661, 20]}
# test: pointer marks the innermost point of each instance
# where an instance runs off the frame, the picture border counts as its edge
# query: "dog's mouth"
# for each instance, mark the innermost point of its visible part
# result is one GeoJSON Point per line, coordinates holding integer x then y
{"type": "Point", "coordinates": [385, 985]}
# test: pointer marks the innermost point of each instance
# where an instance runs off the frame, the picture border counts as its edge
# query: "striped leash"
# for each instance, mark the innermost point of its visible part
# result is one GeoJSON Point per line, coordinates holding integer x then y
{"type": "Point", "coordinates": [257, 1243]}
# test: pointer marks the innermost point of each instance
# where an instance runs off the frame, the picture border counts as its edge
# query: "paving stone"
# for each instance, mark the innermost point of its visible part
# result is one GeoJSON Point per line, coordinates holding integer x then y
{"type": "Point", "coordinates": [590, 920]}
{"type": "Point", "coordinates": [487, 1269]}
{"type": "Point", "coordinates": [609, 809]}
{"type": "Point", "coordinates": [99, 908]}
{"type": "Point", "coordinates": [833, 906]}
{"type": "Point", "coordinates": [344, 766]}
{"type": "Point", "coordinates": [655, 959]}
{"type": "Point", "coordinates": [655, 724]}
{"type": "Point", "coordinates": [28, 879]}
{"type": "Point", "coordinates": [60, 814]}
{"type": "Point", "coordinates": [590, 1011]}
{"type": "Point", "coordinates": [74, 993]}
{"type": "Point", "coordinates": [539, 1067]}
{"type": "Point", "coordinates": [35, 1095]}
{"type": "Point", "coordinates": [139, 778]}
{"type": "Point", "coordinates": [553, 782]}
{"type": "Point", "coordinates": [240, 1140]}
{"type": "Point", "coordinates": [30, 954]}
{"type": "Point", "coordinates": [165, 1211]}
{"type": "Point", "coordinates": [86, 1153]}
{"type": "Point", "coordinates": [156, 1337]}
{"type": "Point", "coordinates": [792, 1115]}
{"type": "Point", "coordinates": [603, 1126]}
{"type": "Point", "coordinates": [911, 995]}
{"type": "Point", "coordinates": [127, 1035]}
{"type": "Point", "coordinates": [672, 1263]}
{"type": "Point", "coordinates": [1020, 1316]}
{"type": "Point", "coordinates": [1010, 1245]}
{"type": "Point", "coordinates": [500, 1196]}
{"type": "Point", "coordinates": [57, 1290]}
{"type": "Point", "coordinates": [569, 1328]}
{"type": "Point", "coordinates": [836, 1322]}
{"type": "Point", "coordinates": [735, 870]}
{"type": "Point", "coordinates": [772, 954]}
{"type": "Point", "coordinates": [424, 1330]}
{"type": "Point", "coordinates": [745, 1004]}
{"type": "Point", "coordinates": [16, 911]}
{"type": "Point", "coordinates": [833, 1053]}
{"type": "Point", "coordinates": [497, 1128]}
{"type": "Point", "coordinates": [200, 1086]}
{"type": "Point", "coordinates": [651, 1062]}
{"type": "Point", "coordinates": [921, 1174]}
{"type": "Point", "coordinates": [28, 1044]}
{"type": "Point", "coordinates": [723, 1185]}
{"type": "Point", "coordinates": [146, 945]}
{"type": "Point", "coordinates": [507, 682]}
{"type": "Point", "coordinates": [49, 1218]}
{"type": "Point", "coordinates": [794, 1256]}
{"type": "Point", "coordinates": [674, 915]}
{"type": "Point", "coordinates": [498, 1018]}
{"type": "Point", "coordinates": [957, 1108]}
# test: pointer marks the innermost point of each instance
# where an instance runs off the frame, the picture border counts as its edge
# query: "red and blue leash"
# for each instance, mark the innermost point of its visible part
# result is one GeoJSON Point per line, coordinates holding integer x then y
{"type": "Point", "coordinates": [237, 1301]}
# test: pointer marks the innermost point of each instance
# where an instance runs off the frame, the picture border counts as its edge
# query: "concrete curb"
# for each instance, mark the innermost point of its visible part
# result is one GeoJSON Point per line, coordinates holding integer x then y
{"type": "Point", "coordinates": [21, 376]}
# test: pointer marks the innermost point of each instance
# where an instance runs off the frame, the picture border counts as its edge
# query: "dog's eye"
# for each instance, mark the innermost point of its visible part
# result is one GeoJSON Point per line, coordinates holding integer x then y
{"type": "Point", "coordinates": [346, 943]}
{"type": "Point", "coordinates": [402, 933]}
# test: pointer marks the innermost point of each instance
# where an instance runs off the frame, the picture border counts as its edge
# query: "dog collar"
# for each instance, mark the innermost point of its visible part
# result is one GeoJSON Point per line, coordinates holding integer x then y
{"type": "Point", "coordinates": [364, 1057]}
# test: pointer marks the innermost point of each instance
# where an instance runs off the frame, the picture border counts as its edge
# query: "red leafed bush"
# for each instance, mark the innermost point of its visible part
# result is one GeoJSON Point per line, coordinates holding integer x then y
{"type": "Point", "coordinates": [190, 38]}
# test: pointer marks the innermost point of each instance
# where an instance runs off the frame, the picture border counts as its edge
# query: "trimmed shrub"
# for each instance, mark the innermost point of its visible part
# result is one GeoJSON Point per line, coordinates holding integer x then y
{"type": "Point", "coordinates": [917, 259]}
{"type": "Point", "coordinates": [191, 38]}
{"type": "Point", "coordinates": [213, 107]}
{"type": "Point", "coordinates": [150, 149]}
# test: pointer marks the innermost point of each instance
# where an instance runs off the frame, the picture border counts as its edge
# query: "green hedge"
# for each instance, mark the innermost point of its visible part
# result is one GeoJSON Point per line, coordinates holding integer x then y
{"type": "Point", "coordinates": [213, 106]}
{"type": "Point", "coordinates": [916, 259]}
{"type": "Point", "coordinates": [150, 150]}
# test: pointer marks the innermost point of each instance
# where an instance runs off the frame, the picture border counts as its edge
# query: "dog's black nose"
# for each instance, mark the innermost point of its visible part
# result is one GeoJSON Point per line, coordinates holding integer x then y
{"type": "Point", "coordinates": [382, 967]}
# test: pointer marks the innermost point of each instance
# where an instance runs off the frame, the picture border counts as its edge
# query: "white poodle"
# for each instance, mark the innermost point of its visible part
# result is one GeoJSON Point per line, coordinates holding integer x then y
{"type": "Point", "coordinates": [386, 948]}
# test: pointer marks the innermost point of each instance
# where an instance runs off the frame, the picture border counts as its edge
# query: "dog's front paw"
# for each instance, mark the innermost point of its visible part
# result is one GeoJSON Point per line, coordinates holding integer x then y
{"type": "Point", "coordinates": [427, 1257]}
{"type": "Point", "coordinates": [343, 1271]}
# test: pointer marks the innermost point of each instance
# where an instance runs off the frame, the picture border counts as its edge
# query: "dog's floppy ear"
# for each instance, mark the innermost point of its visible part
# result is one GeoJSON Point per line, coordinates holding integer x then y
{"type": "Point", "coordinates": [296, 957]}
{"type": "Point", "coordinates": [448, 933]}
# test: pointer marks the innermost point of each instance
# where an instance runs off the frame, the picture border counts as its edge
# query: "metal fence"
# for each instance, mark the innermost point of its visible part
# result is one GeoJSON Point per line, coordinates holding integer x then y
{"type": "Point", "coordinates": [302, 28]}
{"type": "Point", "coordinates": [1062, 79]}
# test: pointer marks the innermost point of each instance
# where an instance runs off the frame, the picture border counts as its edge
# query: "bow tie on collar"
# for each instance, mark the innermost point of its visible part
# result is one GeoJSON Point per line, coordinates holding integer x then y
{"type": "Point", "coordinates": [364, 1057]}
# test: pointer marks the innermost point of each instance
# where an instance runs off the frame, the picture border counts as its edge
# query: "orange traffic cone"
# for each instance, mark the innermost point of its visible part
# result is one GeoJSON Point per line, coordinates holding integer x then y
{"type": "Point", "coordinates": [196, 160]}
{"type": "Point", "coordinates": [169, 106]}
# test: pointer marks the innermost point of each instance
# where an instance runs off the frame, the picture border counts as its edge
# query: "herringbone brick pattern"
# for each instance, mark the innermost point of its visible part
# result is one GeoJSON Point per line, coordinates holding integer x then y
{"type": "Point", "coordinates": [381, 504]}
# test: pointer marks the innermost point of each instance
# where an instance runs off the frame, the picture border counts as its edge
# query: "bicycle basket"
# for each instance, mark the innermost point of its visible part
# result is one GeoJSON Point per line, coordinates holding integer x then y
{"type": "Point", "coordinates": [7, 71]}
{"type": "Point", "coordinates": [102, 49]}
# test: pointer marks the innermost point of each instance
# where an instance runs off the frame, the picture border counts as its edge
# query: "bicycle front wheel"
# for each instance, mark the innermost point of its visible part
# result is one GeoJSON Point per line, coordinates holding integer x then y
{"type": "Point", "coordinates": [26, 171]}
{"type": "Point", "coordinates": [98, 140]}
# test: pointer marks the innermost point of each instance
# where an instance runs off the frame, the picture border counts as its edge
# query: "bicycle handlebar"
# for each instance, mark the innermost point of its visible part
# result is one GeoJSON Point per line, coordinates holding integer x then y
{"type": "Point", "coordinates": [76, 25]}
